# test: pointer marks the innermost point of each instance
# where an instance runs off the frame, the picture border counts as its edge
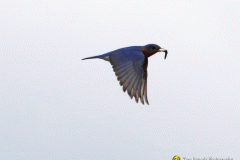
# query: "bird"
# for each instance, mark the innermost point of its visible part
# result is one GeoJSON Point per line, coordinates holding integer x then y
{"type": "Point", "coordinates": [130, 66]}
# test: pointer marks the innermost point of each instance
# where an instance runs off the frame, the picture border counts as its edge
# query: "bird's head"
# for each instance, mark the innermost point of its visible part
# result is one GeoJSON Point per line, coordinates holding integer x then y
{"type": "Point", "coordinates": [151, 49]}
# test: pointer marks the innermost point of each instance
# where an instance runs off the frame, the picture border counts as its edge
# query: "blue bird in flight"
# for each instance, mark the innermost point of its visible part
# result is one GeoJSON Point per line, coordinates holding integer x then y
{"type": "Point", "coordinates": [130, 66]}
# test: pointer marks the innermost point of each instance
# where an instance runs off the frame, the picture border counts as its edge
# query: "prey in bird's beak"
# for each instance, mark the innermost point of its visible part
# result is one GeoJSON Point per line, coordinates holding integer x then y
{"type": "Point", "coordinates": [163, 50]}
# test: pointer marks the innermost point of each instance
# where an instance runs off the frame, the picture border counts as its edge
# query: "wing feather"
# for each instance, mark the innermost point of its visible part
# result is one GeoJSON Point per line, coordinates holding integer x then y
{"type": "Point", "coordinates": [125, 73]}
{"type": "Point", "coordinates": [130, 87]}
{"type": "Point", "coordinates": [127, 82]}
{"type": "Point", "coordinates": [124, 78]}
{"type": "Point", "coordinates": [142, 88]}
{"type": "Point", "coordinates": [130, 67]}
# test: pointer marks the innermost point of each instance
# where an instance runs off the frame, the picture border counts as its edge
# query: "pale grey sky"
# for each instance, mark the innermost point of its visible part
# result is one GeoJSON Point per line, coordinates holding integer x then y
{"type": "Point", "coordinates": [53, 105]}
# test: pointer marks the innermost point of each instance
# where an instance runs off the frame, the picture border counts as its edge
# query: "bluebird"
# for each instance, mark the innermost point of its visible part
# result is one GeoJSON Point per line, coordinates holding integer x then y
{"type": "Point", "coordinates": [130, 66]}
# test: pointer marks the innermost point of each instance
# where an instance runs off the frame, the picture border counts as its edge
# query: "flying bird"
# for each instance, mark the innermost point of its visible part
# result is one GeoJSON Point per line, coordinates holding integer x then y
{"type": "Point", "coordinates": [130, 66]}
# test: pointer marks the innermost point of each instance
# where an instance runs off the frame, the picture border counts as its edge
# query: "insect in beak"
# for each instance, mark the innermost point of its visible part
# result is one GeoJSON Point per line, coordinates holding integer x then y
{"type": "Point", "coordinates": [163, 50]}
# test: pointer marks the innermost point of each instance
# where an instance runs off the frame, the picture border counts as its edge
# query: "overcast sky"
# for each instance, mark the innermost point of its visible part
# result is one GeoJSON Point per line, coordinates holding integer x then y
{"type": "Point", "coordinates": [53, 105]}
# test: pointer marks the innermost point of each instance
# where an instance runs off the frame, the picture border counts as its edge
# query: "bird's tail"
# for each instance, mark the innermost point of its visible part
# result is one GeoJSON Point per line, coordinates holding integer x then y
{"type": "Point", "coordinates": [91, 57]}
{"type": "Point", "coordinates": [103, 56]}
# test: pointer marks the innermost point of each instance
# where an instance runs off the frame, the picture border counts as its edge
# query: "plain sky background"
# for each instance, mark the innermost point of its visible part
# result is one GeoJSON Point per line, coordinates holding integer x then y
{"type": "Point", "coordinates": [53, 105]}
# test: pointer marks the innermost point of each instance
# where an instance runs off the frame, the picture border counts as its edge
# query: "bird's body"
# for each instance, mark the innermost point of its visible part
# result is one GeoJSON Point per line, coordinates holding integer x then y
{"type": "Point", "coordinates": [130, 66]}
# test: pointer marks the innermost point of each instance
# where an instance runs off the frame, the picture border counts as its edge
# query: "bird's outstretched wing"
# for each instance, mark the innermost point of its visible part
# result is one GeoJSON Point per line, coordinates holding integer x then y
{"type": "Point", "coordinates": [130, 67]}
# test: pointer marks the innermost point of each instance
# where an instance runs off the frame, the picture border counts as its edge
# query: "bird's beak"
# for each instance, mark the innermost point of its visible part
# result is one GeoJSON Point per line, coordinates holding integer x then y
{"type": "Point", "coordinates": [163, 50]}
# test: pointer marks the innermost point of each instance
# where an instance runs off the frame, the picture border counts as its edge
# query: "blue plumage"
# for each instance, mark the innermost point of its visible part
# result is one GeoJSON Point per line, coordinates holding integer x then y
{"type": "Point", "coordinates": [130, 66]}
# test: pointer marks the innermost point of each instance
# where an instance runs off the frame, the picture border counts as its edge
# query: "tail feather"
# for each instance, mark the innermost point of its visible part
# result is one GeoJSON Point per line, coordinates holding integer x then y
{"type": "Point", "coordinates": [103, 56]}
{"type": "Point", "coordinates": [91, 57]}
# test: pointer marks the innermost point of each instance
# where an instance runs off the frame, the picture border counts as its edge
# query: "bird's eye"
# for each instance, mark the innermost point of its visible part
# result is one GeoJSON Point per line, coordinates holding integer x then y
{"type": "Point", "coordinates": [153, 47]}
